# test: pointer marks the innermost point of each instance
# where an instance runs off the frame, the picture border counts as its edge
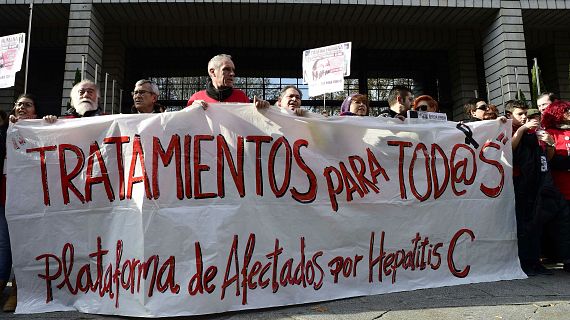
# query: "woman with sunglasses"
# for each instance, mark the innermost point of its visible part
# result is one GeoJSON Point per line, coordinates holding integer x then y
{"type": "Point", "coordinates": [425, 103]}
{"type": "Point", "coordinates": [475, 109]}
{"type": "Point", "coordinates": [492, 113]}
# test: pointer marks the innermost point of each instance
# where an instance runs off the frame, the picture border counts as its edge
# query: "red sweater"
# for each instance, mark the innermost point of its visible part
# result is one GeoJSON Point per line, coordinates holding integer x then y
{"type": "Point", "coordinates": [562, 145]}
{"type": "Point", "coordinates": [236, 96]}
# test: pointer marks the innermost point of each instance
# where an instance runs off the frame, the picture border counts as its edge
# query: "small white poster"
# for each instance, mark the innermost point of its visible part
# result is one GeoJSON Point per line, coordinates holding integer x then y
{"type": "Point", "coordinates": [324, 68]}
{"type": "Point", "coordinates": [11, 55]}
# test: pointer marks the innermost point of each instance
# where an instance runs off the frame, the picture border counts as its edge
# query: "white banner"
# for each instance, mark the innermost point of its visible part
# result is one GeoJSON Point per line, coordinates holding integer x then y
{"type": "Point", "coordinates": [231, 208]}
{"type": "Point", "coordinates": [324, 68]}
{"type": "Point", "coordinates": [11, 55]}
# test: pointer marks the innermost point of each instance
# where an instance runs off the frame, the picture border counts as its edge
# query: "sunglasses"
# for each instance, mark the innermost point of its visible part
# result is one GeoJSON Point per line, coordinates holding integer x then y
{"type": "Point", "coordinates": [483, 107]}
{"type": "Point", "coordinates": [422, 107]}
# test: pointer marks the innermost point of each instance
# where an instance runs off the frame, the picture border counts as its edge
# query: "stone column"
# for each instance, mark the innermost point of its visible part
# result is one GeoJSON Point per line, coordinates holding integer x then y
{"type": "Point", "coordinates": [84, 38]}
{"type": "Point", "coordinates": [463, 69]}
{"type": "Point", "coordinates": [503, 51]}
{"type": "Point", "coordinates": [561, 51]}
{"type": "Point", "coordinates": [114, 65]}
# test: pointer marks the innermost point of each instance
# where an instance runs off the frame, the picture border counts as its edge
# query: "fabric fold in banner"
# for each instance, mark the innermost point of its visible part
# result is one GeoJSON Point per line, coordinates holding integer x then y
{"type": "Point", "coordinates": [231, 208]}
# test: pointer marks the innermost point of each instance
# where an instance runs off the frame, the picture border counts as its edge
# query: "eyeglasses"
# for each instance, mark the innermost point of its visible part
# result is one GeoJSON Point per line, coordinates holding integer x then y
{"type": "Point", "coordinates": [141, 92]}
{"type": "Point", "coordinates": [24, 104]}
{"type": "Point", "coordinates": [483, 107]}
{"type": "Point", "coordinates": [423, 107]}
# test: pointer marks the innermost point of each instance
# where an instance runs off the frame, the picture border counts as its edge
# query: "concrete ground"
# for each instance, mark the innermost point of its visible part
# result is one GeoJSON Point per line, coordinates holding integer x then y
{"type": "Point", "coordinates": [540, 297]}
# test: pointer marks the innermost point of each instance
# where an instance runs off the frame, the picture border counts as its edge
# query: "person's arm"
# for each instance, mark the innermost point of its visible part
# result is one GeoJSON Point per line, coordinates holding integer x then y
{"type": "Point", "coordinates": [517, 136]}
{"type": "Point", "coordinates": [548, 141]}
{"type": "Point", "coordinates": [197, 100]}
{"type": "Point", "coordinates": [198, 96]}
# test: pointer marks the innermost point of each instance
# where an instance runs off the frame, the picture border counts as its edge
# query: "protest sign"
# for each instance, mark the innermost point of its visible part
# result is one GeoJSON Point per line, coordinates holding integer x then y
{"type": "Point", "coordinates": [324, 68]}
{"type": "Point", "coordinates": [231, 208]}
{"type": "Point", "coordinates": [11, 55]}
{"type": "Point", "coordinates": [426, 115]}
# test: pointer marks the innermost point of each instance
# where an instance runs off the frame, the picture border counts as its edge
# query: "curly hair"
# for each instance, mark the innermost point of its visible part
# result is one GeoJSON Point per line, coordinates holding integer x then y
{"type": "Point", "coordinates": [553, 115]}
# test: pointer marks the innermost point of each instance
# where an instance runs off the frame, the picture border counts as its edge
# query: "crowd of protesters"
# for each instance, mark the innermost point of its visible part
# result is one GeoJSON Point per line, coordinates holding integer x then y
{"type": "Point", "coordinates": [540, 142]}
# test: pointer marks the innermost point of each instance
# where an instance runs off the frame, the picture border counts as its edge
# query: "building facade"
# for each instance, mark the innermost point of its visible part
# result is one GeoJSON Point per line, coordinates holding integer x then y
{"type": "Point", "coordinates": [450, 49]}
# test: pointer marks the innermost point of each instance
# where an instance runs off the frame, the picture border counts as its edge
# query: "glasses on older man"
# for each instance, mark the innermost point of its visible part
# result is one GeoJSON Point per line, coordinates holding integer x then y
{"type": "Point", "coordinates": [141, 92]}
{"type": "Point", "coordinates": [24, 104]}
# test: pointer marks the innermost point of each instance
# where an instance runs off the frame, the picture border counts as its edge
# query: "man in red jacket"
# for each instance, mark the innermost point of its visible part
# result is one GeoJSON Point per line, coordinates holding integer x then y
{"type": "Point", "coordinates": [220, 88]}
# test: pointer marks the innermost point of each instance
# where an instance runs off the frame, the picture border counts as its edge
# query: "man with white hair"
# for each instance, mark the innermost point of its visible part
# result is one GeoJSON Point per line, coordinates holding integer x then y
{"type": "Point", "coordinates": [220, 87]}
{"type": "Point", "coordinates": [84, 100]}
{"type": "Point", "coordinates": [145, 97]}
